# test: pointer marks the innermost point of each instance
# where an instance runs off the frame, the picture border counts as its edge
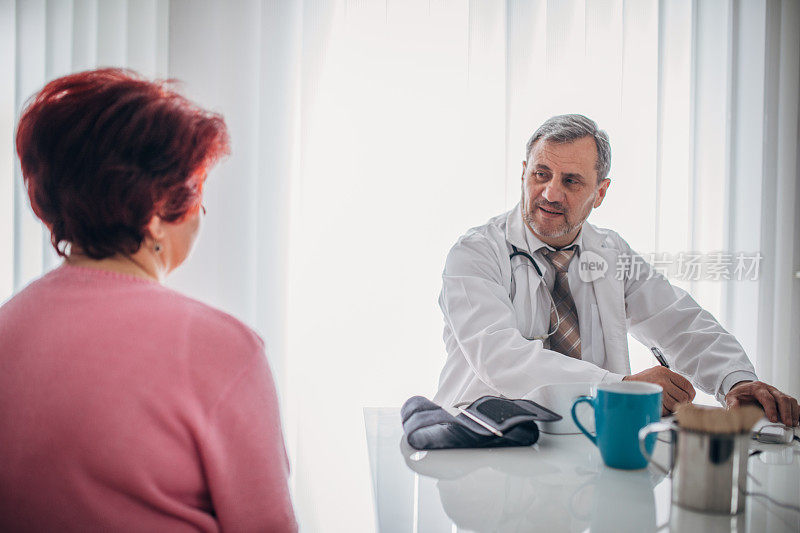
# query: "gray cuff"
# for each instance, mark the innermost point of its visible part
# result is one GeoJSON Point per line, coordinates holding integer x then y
{"type": "Point", "coordinates": [732, 379]}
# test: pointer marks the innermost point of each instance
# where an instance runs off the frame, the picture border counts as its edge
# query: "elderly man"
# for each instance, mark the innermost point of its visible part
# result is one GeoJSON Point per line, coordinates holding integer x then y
{"type": "Point", "coordinates": [535, 296]}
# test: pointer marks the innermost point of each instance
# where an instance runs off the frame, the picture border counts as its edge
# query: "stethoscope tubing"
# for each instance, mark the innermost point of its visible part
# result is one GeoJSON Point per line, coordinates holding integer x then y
{"type": "Point", "coordinates": [517, 252]}
{"type": "Point", "coordinates": [528, 256]}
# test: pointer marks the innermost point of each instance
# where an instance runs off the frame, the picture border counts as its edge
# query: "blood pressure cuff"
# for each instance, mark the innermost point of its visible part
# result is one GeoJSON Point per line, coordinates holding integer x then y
{"type": "Point", "coordinates": [429, 427]}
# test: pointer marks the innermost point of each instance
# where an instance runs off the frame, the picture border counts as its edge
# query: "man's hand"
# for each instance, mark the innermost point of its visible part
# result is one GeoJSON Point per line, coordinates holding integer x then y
{"type": "Point", "coordinates": [677, 388]}
{"type": "Point", "coordinates": [777, 405]}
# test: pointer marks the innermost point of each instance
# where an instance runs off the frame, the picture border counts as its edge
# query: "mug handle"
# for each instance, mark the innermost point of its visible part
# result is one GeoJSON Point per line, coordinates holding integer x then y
{"type": "Point", "coordinates": [587, 399]}
{"type": "Point", "coordinates": [655, 427]}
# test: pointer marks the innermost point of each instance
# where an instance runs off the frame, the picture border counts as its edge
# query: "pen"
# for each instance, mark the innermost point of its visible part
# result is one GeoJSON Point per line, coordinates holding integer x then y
{"type": "Point", "coordinates": [659, 357]}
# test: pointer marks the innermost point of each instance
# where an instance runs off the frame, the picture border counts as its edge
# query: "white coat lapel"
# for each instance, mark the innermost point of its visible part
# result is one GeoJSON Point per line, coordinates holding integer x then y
{"type": "Point", "coordinates": [515, 229]}
{"type": "Point", "coordinates": [610, 294]}
{"type": "Point", "coordinates": [515, 236]}
{"type": "Point", "coordinates": [524, 280]}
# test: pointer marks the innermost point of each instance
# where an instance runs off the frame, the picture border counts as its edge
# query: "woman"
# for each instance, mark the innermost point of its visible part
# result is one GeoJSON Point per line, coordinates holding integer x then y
{"type": "Point", "coordinates": [125, 406]}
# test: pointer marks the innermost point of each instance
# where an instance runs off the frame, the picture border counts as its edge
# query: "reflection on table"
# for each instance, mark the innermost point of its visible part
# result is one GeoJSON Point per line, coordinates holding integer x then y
{"type": "Point", "coordinates": [559, 484]}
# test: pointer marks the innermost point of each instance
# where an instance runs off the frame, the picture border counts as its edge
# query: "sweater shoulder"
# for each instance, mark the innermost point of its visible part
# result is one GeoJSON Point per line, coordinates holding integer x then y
{"type": "Point", "coordinates": [208, 324]}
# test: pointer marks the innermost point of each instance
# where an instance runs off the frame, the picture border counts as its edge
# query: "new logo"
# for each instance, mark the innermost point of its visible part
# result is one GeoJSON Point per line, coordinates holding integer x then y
{"type": "Point", "coordinates": [591, 266]}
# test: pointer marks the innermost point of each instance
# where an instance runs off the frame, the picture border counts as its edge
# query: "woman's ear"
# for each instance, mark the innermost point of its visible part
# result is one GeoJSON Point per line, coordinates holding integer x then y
{"type": "Point", "coordinates": [155, 228]}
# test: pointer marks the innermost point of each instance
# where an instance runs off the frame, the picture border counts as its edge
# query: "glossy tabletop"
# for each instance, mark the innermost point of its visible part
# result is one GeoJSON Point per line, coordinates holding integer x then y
{"type": "Point", "coordinates": [559, 484]}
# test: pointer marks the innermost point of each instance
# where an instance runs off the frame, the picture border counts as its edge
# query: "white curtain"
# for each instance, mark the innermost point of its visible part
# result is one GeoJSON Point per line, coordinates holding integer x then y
{"type": "Point", "coordinates": [368, 135]}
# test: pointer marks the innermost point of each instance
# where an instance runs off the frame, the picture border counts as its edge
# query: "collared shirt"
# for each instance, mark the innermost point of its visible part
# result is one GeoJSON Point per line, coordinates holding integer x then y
{"type": "Point", "coordinates": [592, 348]}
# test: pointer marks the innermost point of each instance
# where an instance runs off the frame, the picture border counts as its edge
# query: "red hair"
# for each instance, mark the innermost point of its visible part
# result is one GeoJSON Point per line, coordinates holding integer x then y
{"type": "Point", "coordinates": [103, 151]}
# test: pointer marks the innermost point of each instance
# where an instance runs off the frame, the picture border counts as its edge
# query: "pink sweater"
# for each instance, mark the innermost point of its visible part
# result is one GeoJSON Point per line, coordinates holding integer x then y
{"type": "Point", "coordinates": [125, 406]}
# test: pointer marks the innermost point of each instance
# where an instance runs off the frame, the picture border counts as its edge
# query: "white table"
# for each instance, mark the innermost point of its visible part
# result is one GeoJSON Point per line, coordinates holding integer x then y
{"type": "Point", "coordinates": [559, 484]}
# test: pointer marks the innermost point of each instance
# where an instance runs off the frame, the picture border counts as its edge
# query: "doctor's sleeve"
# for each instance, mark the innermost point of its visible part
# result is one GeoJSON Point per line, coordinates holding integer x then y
{"type": "Point", "coordinates": [695, 344]}
{"type": "Point", "coordinates": [479, 312]}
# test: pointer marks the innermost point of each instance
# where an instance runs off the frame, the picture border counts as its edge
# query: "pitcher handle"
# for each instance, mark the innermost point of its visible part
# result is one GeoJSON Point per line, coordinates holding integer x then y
{"type": "Point", "coordinates": [655, 427]}
{"type": "Point", "coordinates": [587, 399]}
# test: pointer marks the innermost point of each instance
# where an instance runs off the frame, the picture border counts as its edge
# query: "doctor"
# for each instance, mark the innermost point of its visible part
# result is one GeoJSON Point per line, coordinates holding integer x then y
{"type": "Point", "coordinates": [538, 296]}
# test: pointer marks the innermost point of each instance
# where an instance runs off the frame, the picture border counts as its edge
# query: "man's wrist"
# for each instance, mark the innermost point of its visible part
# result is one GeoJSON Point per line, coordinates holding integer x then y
{"type": "Point", "coordinates": [734, 378]}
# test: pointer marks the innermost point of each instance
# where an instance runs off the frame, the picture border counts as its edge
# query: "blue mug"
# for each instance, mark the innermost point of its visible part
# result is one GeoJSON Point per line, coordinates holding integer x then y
{"type": "Point", "coordinates": [620, 410]}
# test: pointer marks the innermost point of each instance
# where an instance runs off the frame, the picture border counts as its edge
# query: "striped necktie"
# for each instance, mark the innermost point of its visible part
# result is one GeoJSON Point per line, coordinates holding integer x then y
{"type": "Point", "coordinates": [567, 337]}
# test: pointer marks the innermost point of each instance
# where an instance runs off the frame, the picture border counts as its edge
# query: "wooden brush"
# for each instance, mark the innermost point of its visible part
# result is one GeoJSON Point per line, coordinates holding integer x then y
{"type": "Point", "coordinates": [717, 419]}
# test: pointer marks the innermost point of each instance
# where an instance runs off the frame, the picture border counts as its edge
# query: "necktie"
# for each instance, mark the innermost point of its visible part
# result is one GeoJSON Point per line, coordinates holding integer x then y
{"type": "Point", "coordinates": [567, 337]}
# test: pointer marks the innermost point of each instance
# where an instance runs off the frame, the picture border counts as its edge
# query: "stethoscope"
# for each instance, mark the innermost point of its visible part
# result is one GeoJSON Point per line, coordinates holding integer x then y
{"type": "Point", "coordinates": [526, 255]}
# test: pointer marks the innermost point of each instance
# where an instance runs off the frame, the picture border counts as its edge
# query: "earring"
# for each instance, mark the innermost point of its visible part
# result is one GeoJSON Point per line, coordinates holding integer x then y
{"type": "Point", "coordinates": [157, 247]}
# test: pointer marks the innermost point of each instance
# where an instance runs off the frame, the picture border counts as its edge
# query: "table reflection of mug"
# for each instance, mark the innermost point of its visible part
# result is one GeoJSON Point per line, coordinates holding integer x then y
{"type": "Point", "coordinates": [616, 501]}
{"type": "Point", "coordinates": [681, 520]}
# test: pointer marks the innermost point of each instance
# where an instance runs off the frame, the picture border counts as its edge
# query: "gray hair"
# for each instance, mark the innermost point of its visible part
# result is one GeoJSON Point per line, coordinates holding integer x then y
{"type": "Point", "coordinates": [569, 128]}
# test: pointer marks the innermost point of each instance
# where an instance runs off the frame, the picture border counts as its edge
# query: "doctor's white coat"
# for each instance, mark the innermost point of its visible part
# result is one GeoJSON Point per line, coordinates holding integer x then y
{"type": "Point", "coordinates": [488, 315]}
